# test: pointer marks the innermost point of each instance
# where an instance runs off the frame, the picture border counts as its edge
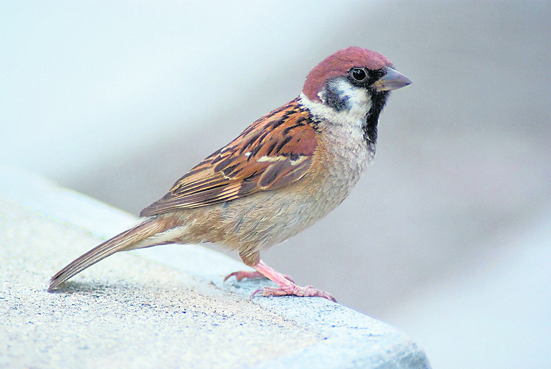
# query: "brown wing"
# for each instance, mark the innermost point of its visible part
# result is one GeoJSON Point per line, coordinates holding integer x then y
{"type": "Point", "coordinates": [274, 151]}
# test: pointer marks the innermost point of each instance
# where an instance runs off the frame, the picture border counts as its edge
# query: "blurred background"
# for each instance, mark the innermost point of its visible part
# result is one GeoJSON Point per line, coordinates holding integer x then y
{"type": "Point", "coordinates": [447, 236]}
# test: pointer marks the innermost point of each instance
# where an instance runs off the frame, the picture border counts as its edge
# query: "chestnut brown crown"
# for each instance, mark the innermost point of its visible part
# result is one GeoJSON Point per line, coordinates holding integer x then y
{"type": "Point", "coordinates": [338, 64]}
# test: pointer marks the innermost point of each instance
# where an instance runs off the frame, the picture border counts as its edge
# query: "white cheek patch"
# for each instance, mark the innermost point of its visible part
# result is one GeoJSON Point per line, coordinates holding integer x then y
{"type": "Point", "coordinates": [351, 96]}
{"type": "Point", "coordinates": [358, 101]}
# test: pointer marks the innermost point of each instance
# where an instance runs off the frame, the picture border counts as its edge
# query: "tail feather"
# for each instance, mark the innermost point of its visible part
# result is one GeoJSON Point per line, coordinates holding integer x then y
{"type": "Point", "coordinates": [124, 241]}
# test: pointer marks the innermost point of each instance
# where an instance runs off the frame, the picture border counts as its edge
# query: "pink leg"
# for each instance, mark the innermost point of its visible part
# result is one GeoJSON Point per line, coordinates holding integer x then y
{"type": "Point", "coordinates": [285, 286]}
{"type": "Point", "coordinates": [251, 275]}
{"type": "Point", "coordinates": [244, 274]}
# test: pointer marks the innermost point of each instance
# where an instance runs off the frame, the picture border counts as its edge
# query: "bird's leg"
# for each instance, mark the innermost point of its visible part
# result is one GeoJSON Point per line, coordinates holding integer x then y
{"type": "Point", "coordinates": [249, 259]}
{"type": "Point", "coordinates": [285, 285]}
{"type": "Point", "coordinates": [247, 274]}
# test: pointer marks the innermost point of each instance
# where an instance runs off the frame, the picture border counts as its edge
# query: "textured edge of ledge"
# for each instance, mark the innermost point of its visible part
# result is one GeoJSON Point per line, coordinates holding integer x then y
{"type": "Point", "coordinates": [351, 339]}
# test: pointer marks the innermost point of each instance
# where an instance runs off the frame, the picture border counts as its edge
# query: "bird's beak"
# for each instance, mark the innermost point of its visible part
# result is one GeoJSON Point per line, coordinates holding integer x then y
{"type": "Point", "coordinates": [392, 80]}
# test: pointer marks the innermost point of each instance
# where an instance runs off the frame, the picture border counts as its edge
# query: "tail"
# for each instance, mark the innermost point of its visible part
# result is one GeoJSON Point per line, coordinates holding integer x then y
{"type": "Point", "coordinates": [125, 241]}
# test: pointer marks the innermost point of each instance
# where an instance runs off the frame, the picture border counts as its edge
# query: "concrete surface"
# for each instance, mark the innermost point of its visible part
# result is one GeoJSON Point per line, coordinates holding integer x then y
{"type": "Point", "coordinates": [162, 307]}
{"type": "Point", "coordinates": [118, 99]}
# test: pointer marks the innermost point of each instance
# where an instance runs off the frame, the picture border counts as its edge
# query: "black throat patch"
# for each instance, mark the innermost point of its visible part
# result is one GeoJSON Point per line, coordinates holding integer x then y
{"type": "Point", "coordinates": [378, 101]}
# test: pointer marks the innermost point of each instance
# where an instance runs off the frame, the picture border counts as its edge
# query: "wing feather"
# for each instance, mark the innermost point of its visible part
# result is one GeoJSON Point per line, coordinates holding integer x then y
{"type": "Point", "coordinates": [273, 152]}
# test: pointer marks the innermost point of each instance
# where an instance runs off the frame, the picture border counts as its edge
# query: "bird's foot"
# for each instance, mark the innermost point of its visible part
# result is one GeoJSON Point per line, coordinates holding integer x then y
{"type": "Point", "coordinates": [285, 285]}
{"type": "Point", "coordinates": [251, 275]}
{"type": "Point", "coordinates": [293, 290]}
{"type": "Point", "coordinates": [244, 274]}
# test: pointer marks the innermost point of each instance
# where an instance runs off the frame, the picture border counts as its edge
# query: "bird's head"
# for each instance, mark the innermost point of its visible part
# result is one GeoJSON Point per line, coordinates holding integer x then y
{"type": "Point", "coordinates": [354, 82]}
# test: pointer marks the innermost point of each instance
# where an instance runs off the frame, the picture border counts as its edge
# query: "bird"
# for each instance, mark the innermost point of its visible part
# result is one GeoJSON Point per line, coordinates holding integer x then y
{"type": "Point", "coordinates": [283, 173]}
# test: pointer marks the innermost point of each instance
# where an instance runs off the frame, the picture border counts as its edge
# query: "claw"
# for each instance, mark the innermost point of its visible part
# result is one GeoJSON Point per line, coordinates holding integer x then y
{"type": "Point", "coordinates": [293, 290]}
{"type": "Point", "coordinates": [239, 276]}
{"type": "Point", "coordinates": [244, 274]}
{"type": "Point", "coordinates": [285, 284]}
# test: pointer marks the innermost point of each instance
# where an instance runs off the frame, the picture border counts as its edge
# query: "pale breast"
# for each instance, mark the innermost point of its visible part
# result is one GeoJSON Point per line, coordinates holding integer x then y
{"type": "Point", "coordinates": [266, 218]}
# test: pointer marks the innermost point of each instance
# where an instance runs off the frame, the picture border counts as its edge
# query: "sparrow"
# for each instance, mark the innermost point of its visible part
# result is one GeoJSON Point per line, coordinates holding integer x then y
{"type": "Point", "coordinates": [283, 173]}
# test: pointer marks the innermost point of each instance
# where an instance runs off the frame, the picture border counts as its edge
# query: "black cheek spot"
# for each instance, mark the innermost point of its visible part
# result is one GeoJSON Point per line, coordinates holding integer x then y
{"type": "Point", "coordinates": [334, 100]}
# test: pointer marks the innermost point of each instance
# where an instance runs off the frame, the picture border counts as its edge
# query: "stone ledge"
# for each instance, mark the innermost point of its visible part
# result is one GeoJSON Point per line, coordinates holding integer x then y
{"type": "Point", "coordinates": [165, 306]}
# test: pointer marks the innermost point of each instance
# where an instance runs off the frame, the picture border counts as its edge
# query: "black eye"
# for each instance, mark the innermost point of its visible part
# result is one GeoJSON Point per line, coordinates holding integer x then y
{"type": "Point", "coordinates": [358, 74]}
